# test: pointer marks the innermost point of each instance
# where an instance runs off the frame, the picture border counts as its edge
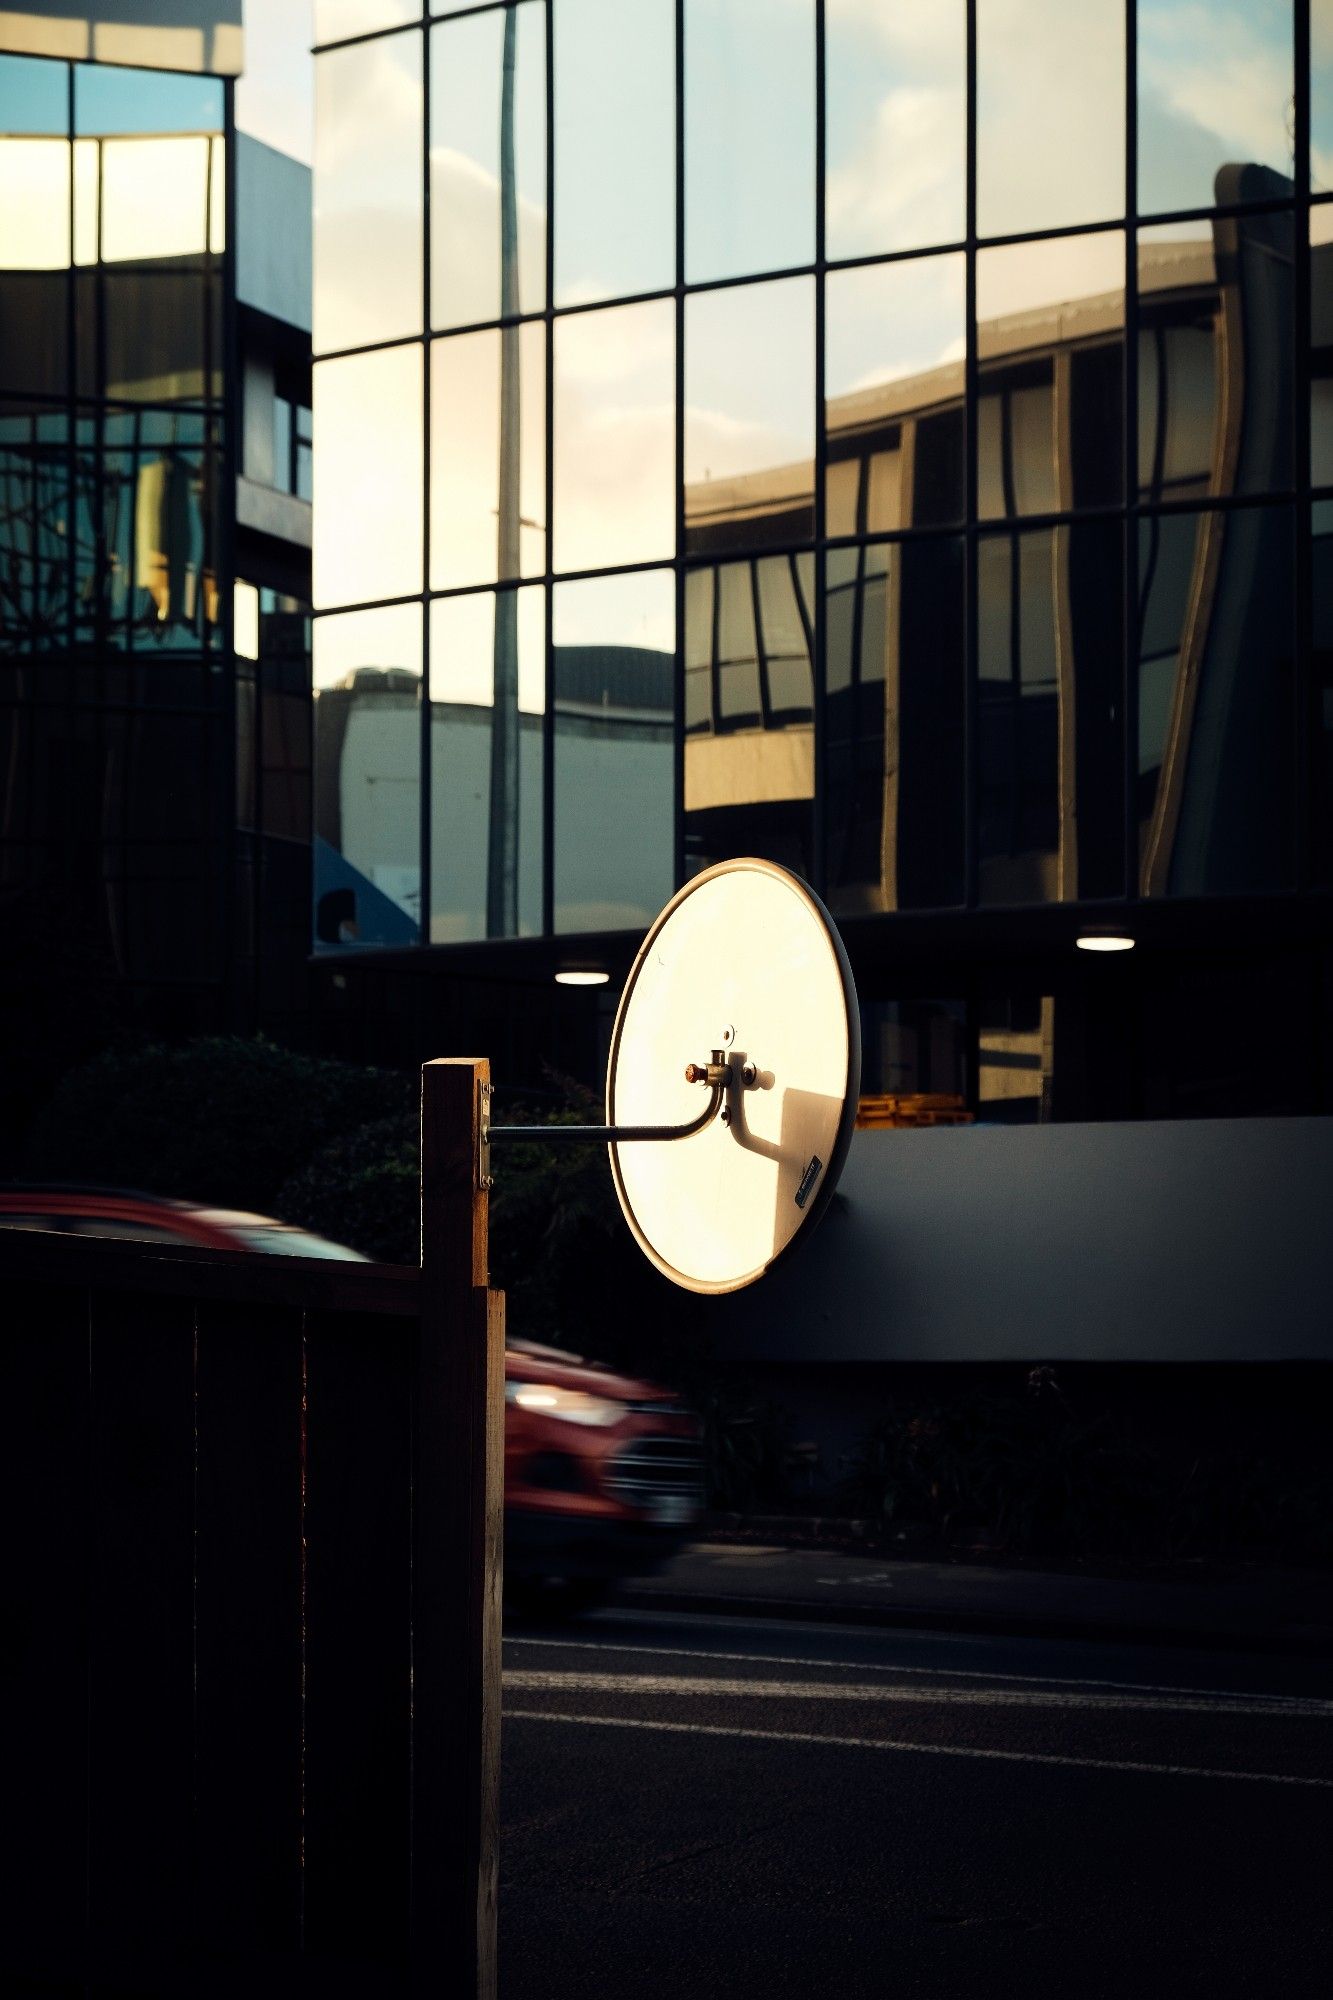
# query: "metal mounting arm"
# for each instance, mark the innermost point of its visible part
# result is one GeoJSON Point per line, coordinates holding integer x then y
{"type": "Point", "coordinates": [718, 1075]}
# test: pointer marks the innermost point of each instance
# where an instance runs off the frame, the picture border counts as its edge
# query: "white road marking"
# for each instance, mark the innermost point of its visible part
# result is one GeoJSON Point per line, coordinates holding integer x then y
{"type": "Point", "coordinates": [919, 1749]}
{"type": "Point", "coordinates": [538, 1680]}
{"type": "Point", "coordinates": [1300, 1703]}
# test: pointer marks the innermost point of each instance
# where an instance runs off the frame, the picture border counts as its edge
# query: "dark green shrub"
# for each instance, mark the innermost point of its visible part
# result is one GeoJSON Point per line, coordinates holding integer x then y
{"type": "Point", "coordinates": [220, 1119]}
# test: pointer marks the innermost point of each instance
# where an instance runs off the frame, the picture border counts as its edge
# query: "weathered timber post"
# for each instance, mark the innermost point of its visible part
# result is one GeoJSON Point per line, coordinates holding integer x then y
{"type": "Point", "coordinates": [457, 1545]}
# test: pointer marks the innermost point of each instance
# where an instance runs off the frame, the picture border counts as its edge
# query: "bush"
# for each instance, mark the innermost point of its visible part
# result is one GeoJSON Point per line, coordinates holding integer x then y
{"type": "Point", "coordinates": [219, 1119]}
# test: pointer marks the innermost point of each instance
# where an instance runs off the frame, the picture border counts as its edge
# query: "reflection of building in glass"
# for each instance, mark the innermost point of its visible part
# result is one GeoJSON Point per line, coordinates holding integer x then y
{"type": "Point", "coordinates": [154, 524]}
{"type": "Point", "coordinates": [985, 567]}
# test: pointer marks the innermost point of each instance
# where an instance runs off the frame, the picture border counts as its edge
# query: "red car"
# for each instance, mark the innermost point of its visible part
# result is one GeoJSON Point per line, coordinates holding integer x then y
{"type": "Point", "coordinates": [603, 1474]}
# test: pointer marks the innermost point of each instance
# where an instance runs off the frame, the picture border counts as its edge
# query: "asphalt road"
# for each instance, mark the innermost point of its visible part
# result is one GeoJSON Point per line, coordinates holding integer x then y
{"type": "Point", "coordinates": [699, 1806]}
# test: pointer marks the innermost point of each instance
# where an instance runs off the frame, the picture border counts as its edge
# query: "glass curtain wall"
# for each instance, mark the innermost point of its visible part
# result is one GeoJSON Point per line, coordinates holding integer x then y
{"type": "Point", "coordinates": [877, 437]}
{"type": "Point", "coordinates": [113, 614]}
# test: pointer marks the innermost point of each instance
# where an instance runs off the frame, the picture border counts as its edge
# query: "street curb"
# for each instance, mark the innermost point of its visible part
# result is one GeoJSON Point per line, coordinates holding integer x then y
{"type": "Point", "coordinates": [1302, 1644]}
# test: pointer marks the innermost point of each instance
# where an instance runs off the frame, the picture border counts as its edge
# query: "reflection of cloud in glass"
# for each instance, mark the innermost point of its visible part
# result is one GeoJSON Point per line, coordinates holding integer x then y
{"type": "Point", "coordinates": [885, 321]}
{"type": "Point", "coordinates": [34, 204]}
{"type": "Point", "coordinates": [749, 379]}
{"type": "Point", "coordinates": [615, 161]}
{"type": "Point", "coordinates": [614, 432]}
{"type": "Point", "coordinates": [275, 94]}
{"type": "Point", "coordinates": [465, 151]}
{"type": "Point", "coordinates": [1215, 87]}
{"type": "Point", "coordinates": [367, 469]}
{"type": "Point", "coordinates": [1321, 95]}
{"type": "Point", "coordinates": [159, 197]}
{"type": "Point", "coordinates": [895, 126]}
{"type": "Point", "coordinates": [465, 456]}
{"type": "Point", "coordinates": [1040, 278]}
{"type": "Point", "coordinates": [368, 193]}
{"type": "Point", "coordinates": [1050, 114]}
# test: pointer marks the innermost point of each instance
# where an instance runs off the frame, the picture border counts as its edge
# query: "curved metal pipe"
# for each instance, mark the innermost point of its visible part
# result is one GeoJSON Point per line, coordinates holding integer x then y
{"type": "Point", "coordinates": [608, 1135]}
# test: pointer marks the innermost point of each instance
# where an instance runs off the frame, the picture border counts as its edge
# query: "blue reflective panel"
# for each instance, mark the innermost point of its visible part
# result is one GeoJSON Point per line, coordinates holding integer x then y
{"type": "Point", "coordinates": [34, 95]}
{"type": "Point", "coordinates": [145, 100]}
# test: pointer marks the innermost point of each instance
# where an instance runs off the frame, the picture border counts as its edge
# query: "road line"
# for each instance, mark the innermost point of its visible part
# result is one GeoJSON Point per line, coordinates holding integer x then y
{"type": "Point", "coordinates": [1300, 1703]}
{"type": "Point", "coordinates": [535, 1680]}
{"type": "Point", "coordinates": [918, 1749]}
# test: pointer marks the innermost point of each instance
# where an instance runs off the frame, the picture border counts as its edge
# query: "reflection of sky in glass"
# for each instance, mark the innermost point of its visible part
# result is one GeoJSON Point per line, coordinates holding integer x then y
{"type": "Point", "coordinates": [462, 649]}
{"type": "Point", "coordinates": [1321, 95]}
{"type": "Point", "coordinates": [1215, 88]}
{"type": "Point", "coordinates": [895, 123]}
{"type": "Point", "coordinates": [1034, 277]}
{"type": "Point", "coordinates": [749, 379]}
{"type": "Point", "coordinates": [1050, 114]}
{"type": "Point", "coordinates": [387, 638]}
{"type": "Point", "coordinates": [749, 136]}
{"type": "Point", "coordinates": [615, 149]}
{"type": "Point", "coordinates": [275, 94]}
{"type": "Point", "coordinates": [884, 321]}
{"type": "Point", "coordinates": [615, 448]}
{"type": "Point", "coordinates": [368, 476]}
{"type": "Point", "coordinates": [134, 100]}
{"type": "Point", "coordinates": [465, 456]}
{"type": "Point", "coordinates": [368, 193]}
{"type": "Point", "coordinates": [635, 610]}
{"type": "Point", "coordinates": [34, 95]}
{"type": "Point", "coordinates": [336, 18]}
{"type": "Point", "coordinates": [465, 79]}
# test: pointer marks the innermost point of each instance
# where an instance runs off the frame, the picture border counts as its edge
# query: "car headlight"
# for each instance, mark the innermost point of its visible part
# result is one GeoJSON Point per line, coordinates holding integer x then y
{"type": "Point", "coordinates": [572, 1406]}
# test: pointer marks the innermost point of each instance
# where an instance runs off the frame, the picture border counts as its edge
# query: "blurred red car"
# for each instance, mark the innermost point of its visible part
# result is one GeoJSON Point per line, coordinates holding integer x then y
{"type": "Point", "coordinates": [603, 1473]}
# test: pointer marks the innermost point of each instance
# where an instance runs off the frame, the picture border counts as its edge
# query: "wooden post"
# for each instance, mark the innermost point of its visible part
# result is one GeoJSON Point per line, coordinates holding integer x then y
{"type": "Point", "coordinates": [457, 1546]}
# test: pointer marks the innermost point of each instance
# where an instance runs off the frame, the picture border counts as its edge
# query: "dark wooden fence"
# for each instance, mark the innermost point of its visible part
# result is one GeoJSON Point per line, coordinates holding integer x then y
{"type": "Point", "coordinates": [250, 1639]}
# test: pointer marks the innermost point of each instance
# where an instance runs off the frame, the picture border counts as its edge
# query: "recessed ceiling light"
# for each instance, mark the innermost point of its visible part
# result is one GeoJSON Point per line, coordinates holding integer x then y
{"type": "Point", "coordinates": [1104, 941]}
{"type": "Point", "coordinates": [583, 978]}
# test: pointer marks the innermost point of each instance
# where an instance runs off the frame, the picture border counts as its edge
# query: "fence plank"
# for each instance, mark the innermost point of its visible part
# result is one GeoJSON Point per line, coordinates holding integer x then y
{"type": "Point", "coordinates": [248, 1639]}
{"type": "Point", "coordinates": [43, 1710]}
{"type": "Point", "coordinates": [358, 1647]}
{"type": "Point", "coordinates": [140, 1715]}
{"type": "Point", "coordinates": [458, 1532]}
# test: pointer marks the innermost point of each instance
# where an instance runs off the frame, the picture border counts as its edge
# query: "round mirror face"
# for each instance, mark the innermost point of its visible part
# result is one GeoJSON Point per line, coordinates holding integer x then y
{"type": "Point", "coordinates": [745, 961]}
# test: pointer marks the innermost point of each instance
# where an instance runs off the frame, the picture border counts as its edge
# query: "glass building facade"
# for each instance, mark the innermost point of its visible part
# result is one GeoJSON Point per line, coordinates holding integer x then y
{"type": "Point", "coordinates": [890, 440]}
{"type": "Point", "coordinates": [154, 657]}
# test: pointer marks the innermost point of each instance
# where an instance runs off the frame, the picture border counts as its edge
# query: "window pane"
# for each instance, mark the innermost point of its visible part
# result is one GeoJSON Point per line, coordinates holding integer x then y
{"type": "Point", "coordinates": [1050, 336]}
{"type": "Point", "coordinates": [749, 415]}
{"type": "Point", "coordinates": [894, 712]}
{"type": "Point", "coordinates": [1050, 114]}
{"type": "Point", "coordinates": [1321, 623]}
{"type": "Point", "coordinates": [335, 19]}
{"type": "Point", "coordinates": [1321, 96]}
{"type": "Point", "coordinates": [488, 456]}
{"type": "Point", "coordinates": [1321, 345]}
{"type": "Point", "coordinates": [749, 136]}
{"type": "Point", "coordinates": [893, 354]}
{"type": "Point", "coordinates": [614, 668]}
{"type": "Point", "coordinates": [488, 197]}
{"type": "Point", "coordinates": [34, 204]}
{"type": "Point", "coordinates": [895, 124]}
{"type": "Point", "coordinates": [367, 183]}
{"type": "Point", "coordinates": [1216, 702]}
{"type": "Point", "coordinates": [34, 96]}
{"type": "Point", "coordinates": [1215, 103]}
{"type": "Point", "coordinates": [615, 149]}
{"type": "Point", "coordinates": [615, 437]}
{"type": "Point", "coordinates": [749, 742]}
{"type": "Point", "coordinates": [1216, 359]}
{"type": "Point", "coordinates": [34, 529]}
{"type": "Point", "coordinates": [110, 99]}
{"type": "Point", "coordinates": [368, 777]}
{"type": "Point", "coordinates": [488, 695]}
{"type": "Point", "coordinates": [911, 1046]}
{"type": "Point", "coordinates": [368, 476]}
{"type": "Point", "coordinates": [1050, 615]}
{"type": "Point", "coordinates": [1016, 1059]}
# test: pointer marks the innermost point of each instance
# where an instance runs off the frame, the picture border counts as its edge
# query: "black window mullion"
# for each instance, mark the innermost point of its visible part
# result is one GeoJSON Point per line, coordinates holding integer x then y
{"type": "Point", "coordinates": [818, 838]}
{"type": "Point", "coordinates": [549, 830]}
{"type": "Point", "coordinates": [1308, 722]}
{"type": "Point", "coordinates": [971, 748]}
{"type": "Point", "coordinates": [1130, 617]}
{"type": "Point", "coordinates": [678, 829]}
{"type": "Point", "coordinates": [425, 710]}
